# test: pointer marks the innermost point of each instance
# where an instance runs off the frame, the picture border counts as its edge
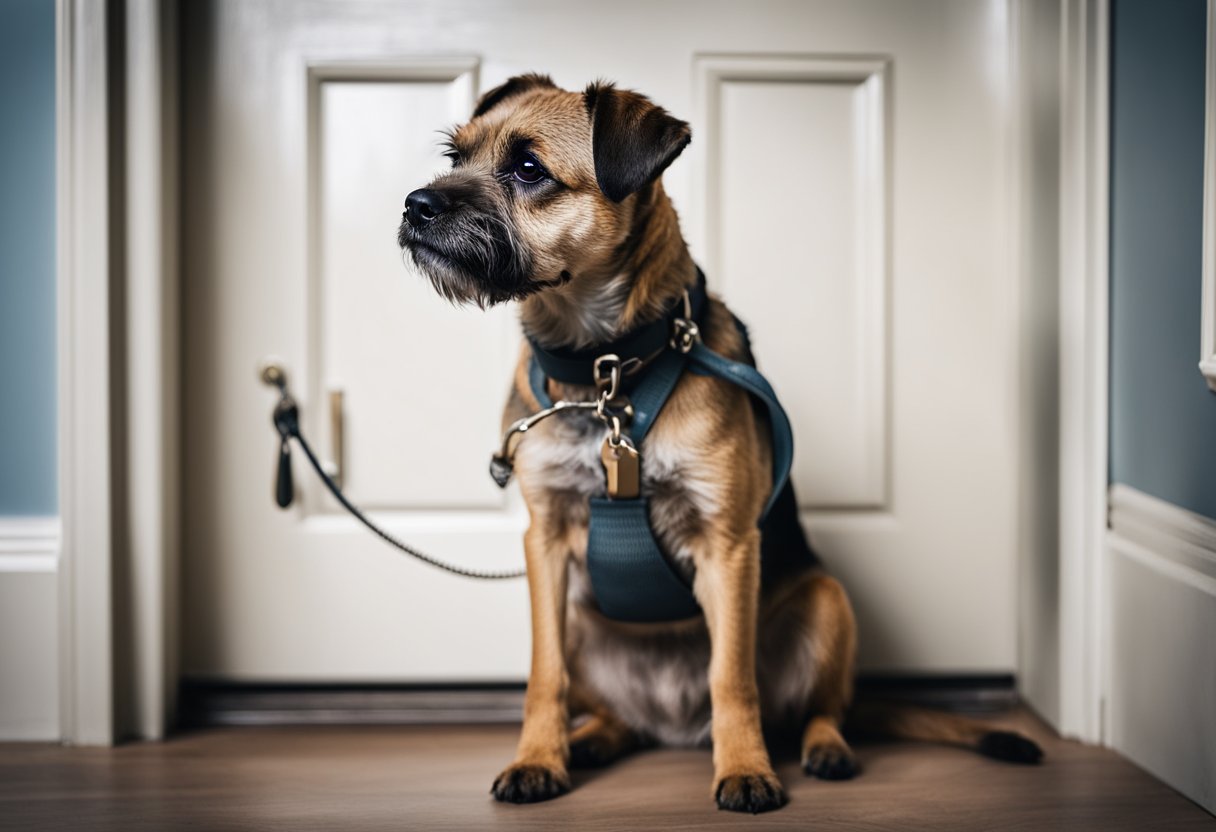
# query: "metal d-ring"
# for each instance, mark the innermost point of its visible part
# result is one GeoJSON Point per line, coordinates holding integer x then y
{"type": "Point", "coordinates": [684, 331]}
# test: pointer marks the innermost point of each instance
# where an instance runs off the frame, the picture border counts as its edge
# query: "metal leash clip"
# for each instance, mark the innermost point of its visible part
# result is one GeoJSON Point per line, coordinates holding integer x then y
{"type": "Point", "coordinates": [610, 408]}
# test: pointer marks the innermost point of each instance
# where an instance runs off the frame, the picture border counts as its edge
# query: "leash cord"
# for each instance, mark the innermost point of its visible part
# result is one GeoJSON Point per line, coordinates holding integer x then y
{"type": "Point", "coordinates": [295, 433]}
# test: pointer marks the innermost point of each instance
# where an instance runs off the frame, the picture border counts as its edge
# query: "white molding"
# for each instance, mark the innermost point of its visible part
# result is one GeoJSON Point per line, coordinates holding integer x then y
{"type": "Point", "coordinates": [85, 261]}
{"type": "Point", "coordinates": [1172, 533]}
{"type": "Point", "coordinates": [29, 544]}
{"type": "Point", "coordinates": [1084, 325]}
{"type": "Point", "coordinates": [1162, 563]}
{"type": "Point", "coordinates": [29, 534]}
{"type": "Point", "coordinates": [1207, 348]}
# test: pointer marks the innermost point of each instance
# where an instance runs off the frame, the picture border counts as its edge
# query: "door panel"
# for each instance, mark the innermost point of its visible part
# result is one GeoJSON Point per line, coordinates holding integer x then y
{"type": "Point", "coordinates": [846, 191]}
{"type": "Point", "coordinates": [382, 339]}
{"type": "Point", "coordinates": [827, 334]}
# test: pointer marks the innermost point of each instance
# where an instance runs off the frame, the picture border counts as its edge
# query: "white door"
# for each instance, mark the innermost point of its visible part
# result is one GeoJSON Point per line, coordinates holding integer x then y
{"type": "Point", "coordinates": [846, 190]}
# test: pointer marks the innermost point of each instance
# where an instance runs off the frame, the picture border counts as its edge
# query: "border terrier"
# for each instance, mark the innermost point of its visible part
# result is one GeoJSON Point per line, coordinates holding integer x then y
{"type": "Point", "coordinates": [555, 201]}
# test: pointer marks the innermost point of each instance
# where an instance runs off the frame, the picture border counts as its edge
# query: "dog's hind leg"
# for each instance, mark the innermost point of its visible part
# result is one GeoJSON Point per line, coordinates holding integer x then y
{"type": "Point", "coordinates": [600, 740]}
{"type": "Point", "coordinates": [830, 628]}
{"type": "Point", "coordinates": [896, 721]}
{"type": "Point", "coordinates": [832, 632]}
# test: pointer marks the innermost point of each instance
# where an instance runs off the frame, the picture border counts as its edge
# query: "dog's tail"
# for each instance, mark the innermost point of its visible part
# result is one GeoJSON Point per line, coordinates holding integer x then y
{"type": "Point", "coordinates": [890, 720]}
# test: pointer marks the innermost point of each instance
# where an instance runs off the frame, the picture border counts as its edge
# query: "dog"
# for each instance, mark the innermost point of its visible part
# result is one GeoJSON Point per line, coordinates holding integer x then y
{"type": "Point", "coordinates": [555, 201]}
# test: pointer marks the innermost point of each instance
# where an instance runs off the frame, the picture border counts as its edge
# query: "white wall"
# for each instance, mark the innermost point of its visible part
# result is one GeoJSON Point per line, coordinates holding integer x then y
{"type": "Point", "coordinates": [29, 543]}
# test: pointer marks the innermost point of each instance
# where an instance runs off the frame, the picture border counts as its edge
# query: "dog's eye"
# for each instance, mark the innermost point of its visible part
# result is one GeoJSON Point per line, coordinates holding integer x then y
{"type": "Point", "coordinates": [528, 170]}
{"type": "Point", "coordinates": [454, 155]}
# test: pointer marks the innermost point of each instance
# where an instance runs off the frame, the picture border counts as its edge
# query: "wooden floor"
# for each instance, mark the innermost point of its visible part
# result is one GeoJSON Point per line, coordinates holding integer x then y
{"type": "Point", "coordinates": [437, 778]}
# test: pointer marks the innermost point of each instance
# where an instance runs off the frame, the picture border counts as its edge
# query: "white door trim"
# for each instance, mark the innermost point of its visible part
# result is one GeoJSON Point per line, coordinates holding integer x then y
{"type": "Point", "coordinates": [117, 280]}
{"type": "Point", "coordinates": [1207, 350]}
{"type": "Point", "coordinates": [1084, 359]}
{"type": "Point", "coordinates": [84, 260]}
{"type": "Point", "coordinates": [152, 360]}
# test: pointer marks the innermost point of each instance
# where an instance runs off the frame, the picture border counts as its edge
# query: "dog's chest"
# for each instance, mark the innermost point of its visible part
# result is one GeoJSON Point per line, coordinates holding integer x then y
{"type": "Point", "coordinates": [560, 467]}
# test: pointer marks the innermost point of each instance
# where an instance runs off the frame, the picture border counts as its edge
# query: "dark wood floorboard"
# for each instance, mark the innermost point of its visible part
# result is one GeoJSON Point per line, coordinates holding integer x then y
{"type": "Point", "coordinates": [437, 778]}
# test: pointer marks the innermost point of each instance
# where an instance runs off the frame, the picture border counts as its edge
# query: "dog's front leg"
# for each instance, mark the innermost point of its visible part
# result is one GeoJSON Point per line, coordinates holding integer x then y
{"type": "Point", "coordinates": [727, 586]}
{"type": "Point", "coordinates": [539, 770]}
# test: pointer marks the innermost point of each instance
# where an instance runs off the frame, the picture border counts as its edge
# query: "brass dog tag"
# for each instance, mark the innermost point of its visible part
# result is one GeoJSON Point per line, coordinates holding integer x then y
{"type": "Point", "coordinates": [621, 466]}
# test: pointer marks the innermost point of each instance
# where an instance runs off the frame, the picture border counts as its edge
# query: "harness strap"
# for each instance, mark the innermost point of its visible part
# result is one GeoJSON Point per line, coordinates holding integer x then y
{"type": "Point", "coordinates": [707, 362]}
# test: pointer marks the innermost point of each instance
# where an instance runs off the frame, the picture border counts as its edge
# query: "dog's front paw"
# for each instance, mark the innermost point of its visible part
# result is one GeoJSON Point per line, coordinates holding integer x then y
{"type": "Point", "coordinates": [529, 783]}
{"type": "Point", "coordinates": [750, 793]}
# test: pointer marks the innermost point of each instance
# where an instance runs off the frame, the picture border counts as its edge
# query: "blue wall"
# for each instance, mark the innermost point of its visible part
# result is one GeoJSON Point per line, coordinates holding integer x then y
{"type": "Point", "coordinates": [1163, 417]}
{"type": "Point", "coordinates": [27, 258]}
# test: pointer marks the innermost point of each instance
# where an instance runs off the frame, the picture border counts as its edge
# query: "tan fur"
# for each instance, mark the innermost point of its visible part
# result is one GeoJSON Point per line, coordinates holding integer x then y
{"type": "Point", "coordinates": [608, 266]}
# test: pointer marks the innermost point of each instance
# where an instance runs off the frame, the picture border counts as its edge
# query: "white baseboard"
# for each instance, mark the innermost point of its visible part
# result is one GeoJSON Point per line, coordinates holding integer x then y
{"type": "Point", "coordinates": [1161, 621]}
{"type": "Point", "coordinates": [29, 628]}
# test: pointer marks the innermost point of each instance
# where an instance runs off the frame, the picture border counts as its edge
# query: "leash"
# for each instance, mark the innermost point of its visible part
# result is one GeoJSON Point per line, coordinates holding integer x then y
{"type": "Point", "coordinates": [287, 423]}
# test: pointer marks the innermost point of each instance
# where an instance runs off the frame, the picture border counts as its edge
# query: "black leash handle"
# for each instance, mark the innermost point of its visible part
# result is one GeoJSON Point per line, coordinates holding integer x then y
{"type": "Point", "coordinates": [287, 423]}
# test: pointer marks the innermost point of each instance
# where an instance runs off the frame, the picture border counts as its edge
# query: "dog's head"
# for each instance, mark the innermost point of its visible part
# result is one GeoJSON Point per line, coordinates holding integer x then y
{"type": "Point", "coordinates": [542, 188]}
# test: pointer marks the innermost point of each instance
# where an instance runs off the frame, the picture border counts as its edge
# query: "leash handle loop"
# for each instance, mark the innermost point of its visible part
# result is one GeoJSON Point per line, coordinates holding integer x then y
{"type": "Point", "coordinates": [287, 423]}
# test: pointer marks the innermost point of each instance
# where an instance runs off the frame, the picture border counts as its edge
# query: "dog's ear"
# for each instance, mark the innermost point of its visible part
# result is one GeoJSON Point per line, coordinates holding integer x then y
{"type": "Point", "coordinates": [633, 140]}
{"type": "Point", "coordinates": [513, 86]}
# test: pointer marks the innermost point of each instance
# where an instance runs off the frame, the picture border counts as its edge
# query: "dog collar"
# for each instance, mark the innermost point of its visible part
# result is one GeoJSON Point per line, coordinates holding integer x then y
{"type": "Point", "coordinates": [634, 348]}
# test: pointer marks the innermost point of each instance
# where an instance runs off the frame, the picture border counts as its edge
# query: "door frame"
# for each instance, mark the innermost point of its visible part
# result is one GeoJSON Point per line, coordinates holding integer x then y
{"type": "Point", "coordinates": [1084, 285]}
{"type": "Point", "coordinates": [119, 355]}
{"type": "Point", "coordinates": [117, 281]}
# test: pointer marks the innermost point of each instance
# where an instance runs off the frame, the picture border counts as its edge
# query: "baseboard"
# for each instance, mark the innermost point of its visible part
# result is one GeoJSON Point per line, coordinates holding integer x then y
{"type": "Point", "coordinates": [208, 703]}
{"type": "Point", "coordinates": [29, 628]}
{"type": "Point", "coordinates": [1161, 561]}
{"type": "Point", "coordinates": [205, 703]}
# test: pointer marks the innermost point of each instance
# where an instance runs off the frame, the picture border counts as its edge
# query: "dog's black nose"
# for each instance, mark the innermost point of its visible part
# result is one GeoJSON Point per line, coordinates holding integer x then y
{"type": "Point", "coordinates": [423, 205]}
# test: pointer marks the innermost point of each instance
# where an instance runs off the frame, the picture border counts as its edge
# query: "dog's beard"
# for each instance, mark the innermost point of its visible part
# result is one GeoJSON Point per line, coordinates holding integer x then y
{"type": "Point", "coordinates": [473, 258]}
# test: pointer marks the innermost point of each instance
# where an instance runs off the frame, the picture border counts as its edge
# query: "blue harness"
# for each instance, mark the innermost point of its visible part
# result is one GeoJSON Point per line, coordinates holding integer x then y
{"type": "Point", "coordinates": [631, 578]}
